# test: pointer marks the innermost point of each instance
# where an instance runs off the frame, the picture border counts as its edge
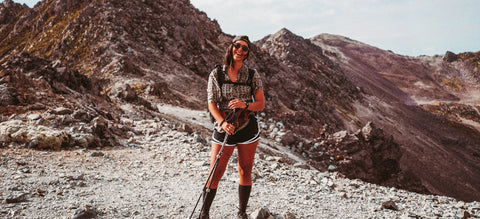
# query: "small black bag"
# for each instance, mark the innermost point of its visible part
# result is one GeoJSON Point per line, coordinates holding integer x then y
{"type": "Point", "coordinates": [238, 118]}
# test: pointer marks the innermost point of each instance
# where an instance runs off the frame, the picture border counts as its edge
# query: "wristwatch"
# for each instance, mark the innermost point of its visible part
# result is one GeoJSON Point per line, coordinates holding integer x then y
{"type": "Point", "coordinates": [246, 105]}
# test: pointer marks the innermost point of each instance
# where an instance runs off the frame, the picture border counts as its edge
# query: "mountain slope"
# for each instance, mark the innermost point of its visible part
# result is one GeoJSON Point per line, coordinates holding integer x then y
{"type": "Point", "coordinates": [433, 144]}
{"type": "Point", "coordinates": [330, 99]}
{"type": "Point", "coordinates": [134, 41]}
{"type": "Point", "coordinates": [387, 98]}
{"type": "Point", "coordinates": [302, 84]}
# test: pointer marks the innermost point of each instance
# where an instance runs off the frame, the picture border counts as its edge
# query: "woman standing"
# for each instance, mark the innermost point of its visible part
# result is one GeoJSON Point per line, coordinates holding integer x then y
{"type": "Point", "coordinates": [240, 88]}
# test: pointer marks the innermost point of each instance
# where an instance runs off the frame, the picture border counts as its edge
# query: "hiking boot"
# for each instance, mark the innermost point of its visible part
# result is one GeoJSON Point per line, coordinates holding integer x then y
{"type": "Point", "coordinates": [243, 196]}
{"type": "Point", "coordinates": [204, 216]}
{"type": "Point", "coordinates": [207, 202]}
{"type": "Point", "coordinates": [242, 215]}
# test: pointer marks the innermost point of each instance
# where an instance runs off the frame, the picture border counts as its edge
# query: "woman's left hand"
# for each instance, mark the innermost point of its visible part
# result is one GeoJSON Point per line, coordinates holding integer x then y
{"type": "Point", "coordinates": [236, 104]}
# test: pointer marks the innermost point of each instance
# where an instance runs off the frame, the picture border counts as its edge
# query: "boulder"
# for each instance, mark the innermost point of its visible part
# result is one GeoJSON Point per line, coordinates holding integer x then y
{"type": "Point", "coordinates": [450, 57]}
{"type": "Point", "coordinates": [87, 213]}
{"type": "Point", "coordinates": [16, 198]}
{"type": "Point", "coordinates": [262, 213]}
{"type": "Point", "coordinates": [62, 111]}
{"type": "Point", "coordinates": [40, 137]}
{"type": "Point", "coordinates": [7, 96]}
{"type": "Point", "coordinates": [390, 205]}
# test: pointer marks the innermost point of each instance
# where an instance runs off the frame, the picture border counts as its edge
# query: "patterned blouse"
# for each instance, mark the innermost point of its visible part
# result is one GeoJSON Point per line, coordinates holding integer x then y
{"type": "Point", "coordinates": [231, 91]}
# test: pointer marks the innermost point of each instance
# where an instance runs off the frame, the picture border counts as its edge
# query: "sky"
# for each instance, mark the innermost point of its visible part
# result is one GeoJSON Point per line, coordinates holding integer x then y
{"type": "Point", "coordinates": [407, 27]}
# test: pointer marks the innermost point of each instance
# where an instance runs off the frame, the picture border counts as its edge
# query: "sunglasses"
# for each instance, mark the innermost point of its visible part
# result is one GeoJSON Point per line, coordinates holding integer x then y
{"type": "Point", "coordinates": [238, 45]}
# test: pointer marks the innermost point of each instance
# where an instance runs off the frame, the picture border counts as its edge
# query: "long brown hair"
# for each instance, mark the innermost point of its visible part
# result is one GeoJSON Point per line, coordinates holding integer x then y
{"type": "Point", "coordinates": [228, 60]}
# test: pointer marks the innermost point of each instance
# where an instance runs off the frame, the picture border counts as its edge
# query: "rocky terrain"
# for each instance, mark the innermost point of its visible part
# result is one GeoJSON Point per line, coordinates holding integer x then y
{"type": "Point", "coordinates": [88, 87]}
{"type": "Point", "coordinates": [360, 84]}
{"type": "Point", "coordinates": [160, 173]}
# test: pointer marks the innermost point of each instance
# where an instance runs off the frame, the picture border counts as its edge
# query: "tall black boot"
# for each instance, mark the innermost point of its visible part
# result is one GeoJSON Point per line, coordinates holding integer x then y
{"type": "Point", "coordinates": [243, 196]}
{"type": "Point", "coordinates": [207, 202]}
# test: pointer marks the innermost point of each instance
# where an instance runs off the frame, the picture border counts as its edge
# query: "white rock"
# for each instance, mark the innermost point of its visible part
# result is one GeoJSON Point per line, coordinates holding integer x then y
{"type": "Point", "coordinates": [34, 116]}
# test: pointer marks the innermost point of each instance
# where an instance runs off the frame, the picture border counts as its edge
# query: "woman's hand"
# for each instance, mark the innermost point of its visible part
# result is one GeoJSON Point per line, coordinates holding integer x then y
{"type": "Point", "coordinates": [237, 104]}
{"type": "Point", "coordinates": [229, 128]}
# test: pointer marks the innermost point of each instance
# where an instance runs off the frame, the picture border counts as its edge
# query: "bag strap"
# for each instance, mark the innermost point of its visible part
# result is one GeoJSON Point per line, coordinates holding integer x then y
{"type": "Point", "coordinates": [221, 79]}
{"type": "Point", "coordinates": [251, 73]}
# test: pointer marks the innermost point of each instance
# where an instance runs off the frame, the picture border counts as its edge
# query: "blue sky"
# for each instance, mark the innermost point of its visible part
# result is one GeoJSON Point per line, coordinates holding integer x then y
{"type": "Point", "coordinates": [407, 27]}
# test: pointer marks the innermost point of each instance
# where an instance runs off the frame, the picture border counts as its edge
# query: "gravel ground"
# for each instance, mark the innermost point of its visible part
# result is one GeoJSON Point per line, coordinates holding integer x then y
{"type": "Point", "coordinates": [161, 173]}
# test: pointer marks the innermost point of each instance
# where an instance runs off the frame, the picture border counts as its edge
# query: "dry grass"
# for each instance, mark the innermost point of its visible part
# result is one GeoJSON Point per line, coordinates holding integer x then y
{"type": "Point", "coordinates": [453, 83]}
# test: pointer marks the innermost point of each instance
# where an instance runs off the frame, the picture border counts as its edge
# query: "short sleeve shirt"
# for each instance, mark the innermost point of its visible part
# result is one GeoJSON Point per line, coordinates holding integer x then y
{"type": "Point", "coordinates": [231, 91]}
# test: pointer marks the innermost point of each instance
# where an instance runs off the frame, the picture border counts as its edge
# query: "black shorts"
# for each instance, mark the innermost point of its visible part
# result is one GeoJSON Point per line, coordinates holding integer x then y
{"type": "Point", "coordinates": [247, 135]}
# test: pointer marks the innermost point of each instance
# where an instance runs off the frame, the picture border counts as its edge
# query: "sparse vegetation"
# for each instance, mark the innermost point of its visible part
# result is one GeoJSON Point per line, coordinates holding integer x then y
{"type": "Point", "coordinates": [455, 111]}
{"type": "Point", "coordinates": [472, 57]}
{"type": "Point", "coordinates": [453, 83]}
{"type": "Point", "coordinates": [45, 43]}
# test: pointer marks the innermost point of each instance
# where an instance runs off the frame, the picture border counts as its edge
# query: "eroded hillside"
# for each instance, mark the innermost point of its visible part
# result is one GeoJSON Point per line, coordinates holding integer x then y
{"type": "Point", "coordinates": [84, 69]}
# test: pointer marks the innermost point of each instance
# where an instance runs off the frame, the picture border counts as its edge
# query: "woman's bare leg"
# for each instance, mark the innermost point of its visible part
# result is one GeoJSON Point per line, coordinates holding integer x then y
{"type": "Point", "coordinates": [246, 155]}
{"type": "Point", "coordinates": [222, 163]}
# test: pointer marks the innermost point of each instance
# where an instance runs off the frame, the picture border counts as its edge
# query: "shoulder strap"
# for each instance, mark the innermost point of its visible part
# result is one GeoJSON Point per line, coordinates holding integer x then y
{"type": "Point", "coordinates": [251, 73]}
{"type": "Point", "coordinates": [220, 76]}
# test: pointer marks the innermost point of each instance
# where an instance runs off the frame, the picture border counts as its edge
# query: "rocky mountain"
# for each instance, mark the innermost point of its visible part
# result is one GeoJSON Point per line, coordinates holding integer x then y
{"type": "Point", "coordinates": [80, 71]}
{"type": "Point", "coordinates": [391, 91]}
{"type": "Point", "coordinates": [431, 103]}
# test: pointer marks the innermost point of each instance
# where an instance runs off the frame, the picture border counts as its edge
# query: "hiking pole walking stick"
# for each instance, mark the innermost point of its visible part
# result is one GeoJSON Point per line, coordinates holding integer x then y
{"type": "Point", "coordinates": [232, 116]}
{"type": "Point", "coordinates": [210, 176]}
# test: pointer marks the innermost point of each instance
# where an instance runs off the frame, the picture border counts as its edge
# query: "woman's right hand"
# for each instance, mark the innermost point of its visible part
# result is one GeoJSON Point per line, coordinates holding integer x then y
{"type": "Point", "coordinates": [228, 128]}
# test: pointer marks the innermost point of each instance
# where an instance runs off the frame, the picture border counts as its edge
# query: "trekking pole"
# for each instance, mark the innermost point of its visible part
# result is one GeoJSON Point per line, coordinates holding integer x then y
{"type": "Point", "coordinates": [210, 176]}
{"type": "Point", "coordinates": [229, 118]}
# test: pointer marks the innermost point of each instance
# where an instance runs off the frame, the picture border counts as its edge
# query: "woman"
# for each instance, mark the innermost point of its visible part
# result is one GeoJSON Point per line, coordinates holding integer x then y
{"type": "Point", "coordinates": [234, 94]}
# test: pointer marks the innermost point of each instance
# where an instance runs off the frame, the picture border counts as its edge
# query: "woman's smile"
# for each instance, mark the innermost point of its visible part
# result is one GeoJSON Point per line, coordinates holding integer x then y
{"type": "Point", "coordinates": [240, 55]}
{"type": "Point", "coordinates": [240, 51]}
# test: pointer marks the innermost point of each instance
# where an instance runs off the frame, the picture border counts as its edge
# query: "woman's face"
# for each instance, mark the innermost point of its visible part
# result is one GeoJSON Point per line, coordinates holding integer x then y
{"type": "Point", "coordinates": [240, 50]}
